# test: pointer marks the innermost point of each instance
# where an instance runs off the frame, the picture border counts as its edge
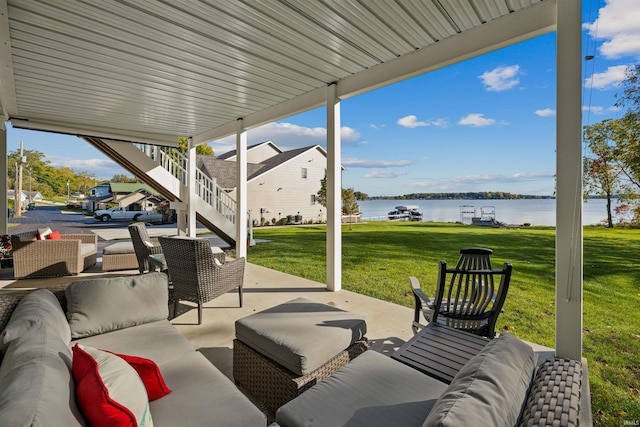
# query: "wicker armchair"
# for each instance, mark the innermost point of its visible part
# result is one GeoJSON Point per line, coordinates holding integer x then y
{"type": "Point", "coordinates": [143, 245]}
{"type": "Point", "coordinates": [196, 274]}
{"type": "Point", "coordinates": [44, 258]}
{"type": "Point", "coordinates": [470, 259]}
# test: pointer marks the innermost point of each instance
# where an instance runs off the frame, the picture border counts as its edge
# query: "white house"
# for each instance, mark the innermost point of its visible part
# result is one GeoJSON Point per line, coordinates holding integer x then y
{"type": "Point", "coordinates": [26, 197]}
{"type": "Point", "coordinates": [280, 183]}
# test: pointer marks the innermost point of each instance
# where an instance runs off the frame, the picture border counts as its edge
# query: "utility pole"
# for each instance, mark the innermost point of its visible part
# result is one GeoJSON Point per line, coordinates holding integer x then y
{"type": "Point", "coordinates": [18, 204]}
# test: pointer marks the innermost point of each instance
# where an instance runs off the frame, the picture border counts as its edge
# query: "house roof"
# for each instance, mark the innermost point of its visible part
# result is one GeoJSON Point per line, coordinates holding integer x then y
{"type": "Point", "coordinates": [155, 71]}
{"type": "Point", "coordinates": [231, 153]}
{"type": "Point", "coordinates": [225, 170]}
{"type": "Point", "coordinates": [131, 187]}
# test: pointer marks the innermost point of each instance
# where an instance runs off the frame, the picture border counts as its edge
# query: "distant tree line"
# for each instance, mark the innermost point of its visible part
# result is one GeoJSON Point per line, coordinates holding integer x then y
{"type": "Point", "coordinates": [475, 195]}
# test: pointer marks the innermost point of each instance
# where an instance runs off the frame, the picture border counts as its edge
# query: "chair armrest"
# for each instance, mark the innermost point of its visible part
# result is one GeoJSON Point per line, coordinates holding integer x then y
{"type": "Point", "coordinates": [423, 304]}
{"type": "Point", "coordinates": [84, 237]}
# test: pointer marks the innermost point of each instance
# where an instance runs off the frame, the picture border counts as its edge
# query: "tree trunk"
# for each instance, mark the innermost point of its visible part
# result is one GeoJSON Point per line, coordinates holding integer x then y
{"type": "Point", "coordinates": [609, 217]}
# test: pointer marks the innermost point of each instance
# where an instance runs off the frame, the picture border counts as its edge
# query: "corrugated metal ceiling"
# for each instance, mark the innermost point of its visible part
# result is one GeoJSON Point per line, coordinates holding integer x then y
{"type": "Point", "coordinates": [183, 67]}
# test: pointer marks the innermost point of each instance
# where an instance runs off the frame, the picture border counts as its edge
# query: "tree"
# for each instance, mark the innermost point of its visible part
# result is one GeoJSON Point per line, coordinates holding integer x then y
{"type": "Point", "coordinates": [349, 203]}
{"type": "Point", "coordinates": [601, 166]}
{"type": "Point", "coordinates": [322, 193]}
{"type": "Point", "coordinates": [202, 149]}
{"type": "Point", "coordinates": [123, 178]}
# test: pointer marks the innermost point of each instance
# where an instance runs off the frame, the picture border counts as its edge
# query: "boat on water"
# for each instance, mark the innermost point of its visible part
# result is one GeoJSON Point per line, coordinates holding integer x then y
{"type": "Point", "coordinates": [405, 213]}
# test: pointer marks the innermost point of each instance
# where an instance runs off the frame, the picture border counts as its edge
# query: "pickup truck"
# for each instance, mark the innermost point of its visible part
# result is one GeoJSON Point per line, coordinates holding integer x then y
{"type": "Point", "coordinates": [119, 214]}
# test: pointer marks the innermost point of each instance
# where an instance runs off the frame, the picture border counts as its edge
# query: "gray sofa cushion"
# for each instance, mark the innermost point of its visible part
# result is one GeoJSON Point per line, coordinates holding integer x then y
{"type": "Point", "coordinates": [36, 386]}
{"type": "Point", "coordinates": [372, 390]}
{"type": "Point", "coordinates": [490, 389]}
{"type": "Point", "coordinates": [301, 334]}
{"type": "Point", "coordinates": [97, 306]}
{"type": "Point", "coordinates": [202, 397]}
{"type": "Point", "coordinates": [39, 304]}
{"type": "Point", "coordinates": [87, 248]}
{"type": "Point", "coordinates": [159, 341]}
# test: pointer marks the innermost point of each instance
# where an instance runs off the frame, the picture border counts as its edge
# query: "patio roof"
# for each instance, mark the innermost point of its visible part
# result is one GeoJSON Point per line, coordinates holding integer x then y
{"type": "Point", "coordinates": [154, 71]}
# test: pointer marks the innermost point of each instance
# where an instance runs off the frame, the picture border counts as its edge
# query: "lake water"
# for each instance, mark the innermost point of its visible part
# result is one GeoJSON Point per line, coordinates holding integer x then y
{"type": "Point", "coordinates": [533, 211]}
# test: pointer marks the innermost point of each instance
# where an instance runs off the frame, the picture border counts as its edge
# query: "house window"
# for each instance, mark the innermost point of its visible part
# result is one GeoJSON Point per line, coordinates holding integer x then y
{"type": "Point", "coordinates": [304, 173]}
{"type": "Point", "coordinates": [314, 199]}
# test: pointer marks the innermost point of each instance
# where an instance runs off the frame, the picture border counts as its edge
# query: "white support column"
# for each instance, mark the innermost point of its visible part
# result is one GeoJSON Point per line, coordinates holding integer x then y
{"type": "Point", "coordinates": [334, 192]}
{"type": "Point", "coordinates": [569, 180]}
{"type": "Point", "coordinates": [241, 187]}
{"type": "Point", "coordinates": [191, 189]}
{"type": "Point", "coordinates": [4, 205]}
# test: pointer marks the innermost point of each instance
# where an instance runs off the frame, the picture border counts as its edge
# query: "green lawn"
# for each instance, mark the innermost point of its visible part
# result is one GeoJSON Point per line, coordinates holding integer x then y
{"type": "Point", "coordinates": [378, 257]}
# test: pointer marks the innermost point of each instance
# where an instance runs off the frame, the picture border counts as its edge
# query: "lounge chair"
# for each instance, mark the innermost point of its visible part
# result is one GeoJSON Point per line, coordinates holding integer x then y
{"type": "Point", "coordinates": [470, 259]}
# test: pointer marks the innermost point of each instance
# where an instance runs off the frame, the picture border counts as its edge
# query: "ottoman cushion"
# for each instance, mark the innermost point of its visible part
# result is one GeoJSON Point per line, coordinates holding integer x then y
{"type": "Point", "coordinates": [119, 249]}
{"type": "Point", "coordinates": [301, 334]}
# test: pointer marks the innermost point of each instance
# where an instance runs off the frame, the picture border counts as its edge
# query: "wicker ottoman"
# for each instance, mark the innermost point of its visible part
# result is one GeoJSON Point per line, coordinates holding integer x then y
{"type": "Point", "coordinates": [119, 256]}
{"type": "Point", "coordinates": [283, 351]}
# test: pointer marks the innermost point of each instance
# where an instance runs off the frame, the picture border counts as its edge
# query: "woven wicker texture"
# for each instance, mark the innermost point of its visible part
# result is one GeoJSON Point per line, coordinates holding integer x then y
{"type": "Point", "coordinates": [554, 398]}
{"type": "Point", "coordinates": [143, 245]}
{"type": "Point", "coordinates": [119, 262]}
{"type": "Point", "coordinates": [273, 385]}
{"type": "Point", "coordinates": [43, 258]}
{"type": "Point", "coordinates": [194, 274]}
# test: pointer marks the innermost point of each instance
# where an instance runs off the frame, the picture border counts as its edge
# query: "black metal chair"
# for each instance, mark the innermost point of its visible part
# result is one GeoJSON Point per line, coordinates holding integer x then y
{"type": "Point", "coordinates": [470, 259]}
{"type": "Point", "coordinates": [143, 245]}
{"type": "Point", "coordinates": [196, 273]}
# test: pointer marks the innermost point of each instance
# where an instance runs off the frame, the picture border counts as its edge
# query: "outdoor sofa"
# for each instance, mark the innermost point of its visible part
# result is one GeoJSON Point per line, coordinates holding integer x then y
{"type": "Point", "coordinates": [126, 316]}
{"type": "Point", "coordinates": [501, 386]}
{"type": "Point", "coordinates": [70, 255]}
{"type": "Point", "coordinates": [504, 385]}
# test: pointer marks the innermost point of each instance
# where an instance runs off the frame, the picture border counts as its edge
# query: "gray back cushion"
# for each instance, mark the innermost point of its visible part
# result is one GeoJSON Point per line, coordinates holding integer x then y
{"type": "Point", "coordinates": [490, 389]}
{"type": "Point", "coordinates": [97, 306]}
{"type": "Point", "coordinates": [36, 387]}
{"type": "Point", "coordinates": [40, 304]}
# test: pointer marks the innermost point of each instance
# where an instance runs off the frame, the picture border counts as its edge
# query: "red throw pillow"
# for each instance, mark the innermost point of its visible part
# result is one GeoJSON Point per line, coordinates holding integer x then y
{"type": "Point", "coordinates": [149, 374]}
{"type": "Point", "coordinates": [54, 235]}
{"type": "Point", "coordinates": [109, 391]}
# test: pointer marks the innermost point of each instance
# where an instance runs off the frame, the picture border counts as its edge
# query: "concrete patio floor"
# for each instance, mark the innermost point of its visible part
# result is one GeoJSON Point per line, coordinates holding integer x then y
{"type": "Point", "coordinates": [389, 325]}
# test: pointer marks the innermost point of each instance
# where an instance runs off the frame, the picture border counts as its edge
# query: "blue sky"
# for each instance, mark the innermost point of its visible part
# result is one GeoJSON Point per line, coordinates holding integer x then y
{"type": "Point", "coordinates": [487, 124]}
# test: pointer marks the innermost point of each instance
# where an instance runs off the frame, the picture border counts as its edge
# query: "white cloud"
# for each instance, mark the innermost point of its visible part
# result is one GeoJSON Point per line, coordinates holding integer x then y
{"type": "Point", "coordinates": [501, 78]}
{"type": "Point", "coordinates": [619, 23]}
{"type": "Point", "coordinates": [411, 122]}
{"type": "Point", "coordinates": [287, 136]}
{"type": "Point", "coordinates": [384, 174]}
{"type": "Point", "coordinates": [362, 163]}
{"type": "Point", "coordinates": [607, 79]}
{"type": "Point", "coordinates": [482, 182]}
{"type": "Point", "coordinates": [476, 119]}
{"type": "Point", "coordinates": [547, 112]}
{"type": "Point", "coordinates": [597, 109]}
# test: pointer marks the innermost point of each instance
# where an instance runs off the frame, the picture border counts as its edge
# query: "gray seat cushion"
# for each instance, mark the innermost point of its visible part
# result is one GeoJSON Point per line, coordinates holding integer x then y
{"type": "Point", "coordinates": [301, 334]}
{"type": "Point", "coordinates": [202, 397]}
{"type": "Point", "coordinates": [119, 249]}
{"type": "Point", "coordinates": [87, 248]}
{"type": "Point", "coordinates": [490, 389]}
{"type": "Point", "coordinates": [373, 390]}
{"type": "Point", "coordinates": [159, 341]}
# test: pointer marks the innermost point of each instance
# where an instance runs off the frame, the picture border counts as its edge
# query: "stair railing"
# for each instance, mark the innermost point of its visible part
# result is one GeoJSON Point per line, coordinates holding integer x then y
{"type": "Point", "coordinates": [175, 163]}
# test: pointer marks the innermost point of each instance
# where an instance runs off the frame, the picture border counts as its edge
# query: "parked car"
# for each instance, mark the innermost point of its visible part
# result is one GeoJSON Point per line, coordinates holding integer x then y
{"type": "Point", "coordinates": [119, 213]}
